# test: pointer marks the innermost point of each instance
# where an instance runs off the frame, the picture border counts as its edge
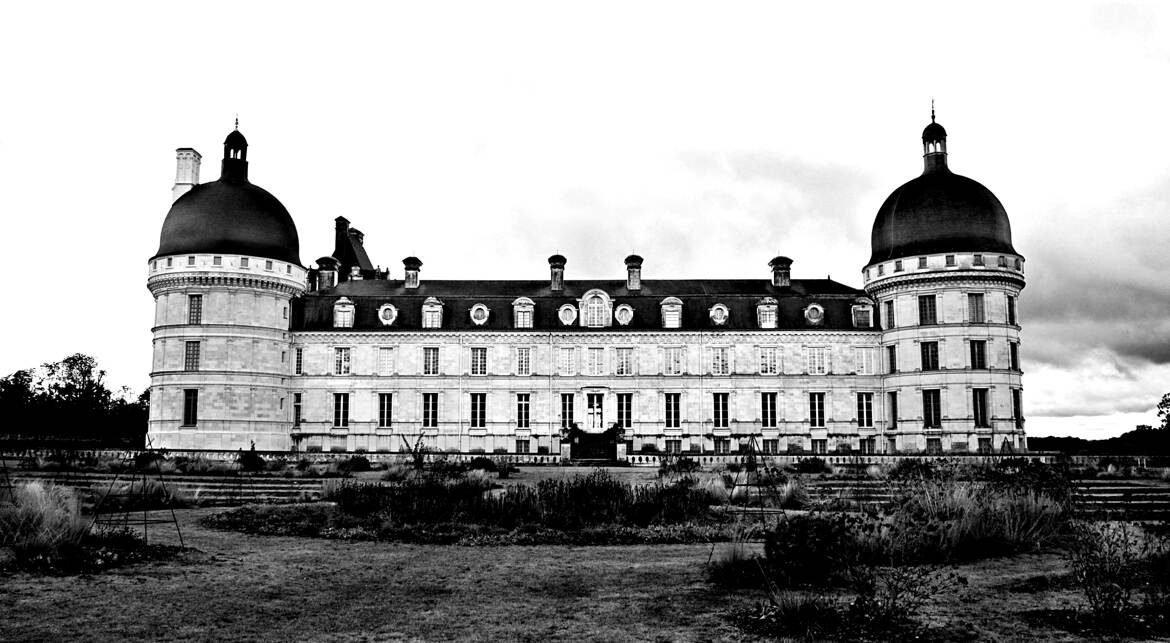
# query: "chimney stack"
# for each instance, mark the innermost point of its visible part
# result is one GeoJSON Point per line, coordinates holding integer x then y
{"type": "Point", "coordinates": [633, 273]}
{"type": "Point", "coordinates": [781, 272]}
{"type": "Point", "coordinates": [412, 265]}
{"type": "Point", "coordinates": [355, 273]}
{"type": "Point", "coordinates": [326, 273]}
{"type": "Point", "coordinates": [186, 171]}
{"type": "Point", "coordinates": [556, 265]}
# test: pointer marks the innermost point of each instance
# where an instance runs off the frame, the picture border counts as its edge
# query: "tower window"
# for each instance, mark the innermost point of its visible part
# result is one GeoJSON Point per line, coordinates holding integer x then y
{"type": "Point", "coordinates": [297, 406]}
{"type": "Point", "coordinates": [243, 262]}
{"type": "Point", "coordinates": [191, 261]}
{"type": "Point", "coordinates": [268, 264]}
{"type": "Point", "coordinates": [931, 409]}
{"type": "Point", "coordinates": [1011, 310]}
{"type": "Point", "coordinates": [1014, 355]}
{"type": "Point", "coordinates": [929, 356]}
{"type": "Point", "coordinates": [881, 269]}
{"type": "Point", "coordinates": [979, 408]}
{"type": "Point", "coordinates": [892, 358]}
{"type": "Point", "coordinates": [865, 410]}
{"type": "Point", "coordinates": [978, 260]}
{"type": "Point", "coordinates": [191, 357]}
{"type": "Point", "coordinates": [922, 262]}
{"type": "Point", "coordinates": [890, 314]}
{"type": "Point", "coordinates": [190, 407]}
{"type": "Point", "coordinates": [217, 261]}
{"type": "Point", "coordinates": [975, 308]}
{"type": "Point", "coordinates": [169, 259]}
{"type": "Point", "coordinates": [898, 266]}
{"type": "Point", "coordinates": [950, 261]}
{"type": "Point", "coordinates": [892, 412]}
{"type": "Point", "coordinates": [978, 353]}
{"type": "Point", "coordinates": [340, 410]}
{"type": "Point", "coordinates": [194, 309]}
{"type": "Point", "coordinates": [1002, 261]}
{"type": "Point", "coordinates": [299, 361]}
{"type": "Point", "coordinates": [927, 314]}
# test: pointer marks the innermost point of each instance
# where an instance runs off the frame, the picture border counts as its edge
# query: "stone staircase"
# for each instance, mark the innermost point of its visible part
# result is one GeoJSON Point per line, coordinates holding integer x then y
{"type": "Point", "coordinates": [202, 490]}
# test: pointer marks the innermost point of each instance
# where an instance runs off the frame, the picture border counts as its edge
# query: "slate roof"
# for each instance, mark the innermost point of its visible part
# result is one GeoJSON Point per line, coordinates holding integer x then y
{"type": "Point", "coordinates": [314, 311]}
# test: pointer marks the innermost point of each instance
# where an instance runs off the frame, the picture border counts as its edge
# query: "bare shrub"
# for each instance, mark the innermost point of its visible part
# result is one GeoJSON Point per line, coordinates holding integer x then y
{"type": "Point", "coordinates": [1113, 562]}
{"type": "Point", "coordinates": [44, 519]}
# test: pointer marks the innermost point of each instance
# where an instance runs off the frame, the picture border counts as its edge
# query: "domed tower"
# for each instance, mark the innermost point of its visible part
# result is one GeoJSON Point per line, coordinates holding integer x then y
{"type": "Point", "coordinates": [227, 266]}
{"type": "Point", "coordinates": [947, 280]}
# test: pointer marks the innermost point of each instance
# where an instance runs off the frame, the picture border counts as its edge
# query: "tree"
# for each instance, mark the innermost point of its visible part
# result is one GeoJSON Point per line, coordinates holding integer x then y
{"type": "Point", "coordinates": [1164, 412]}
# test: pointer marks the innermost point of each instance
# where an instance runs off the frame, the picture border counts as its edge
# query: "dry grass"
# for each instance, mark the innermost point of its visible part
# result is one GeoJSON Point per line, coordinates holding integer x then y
{"type": "Point", "coordinates": [44, 518]}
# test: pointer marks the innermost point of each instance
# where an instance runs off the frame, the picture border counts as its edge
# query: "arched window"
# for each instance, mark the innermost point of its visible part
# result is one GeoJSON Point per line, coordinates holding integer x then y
{"type": "Point", "coordinates": [596, 309]}
{"type": "Point", "coordinates": [522, 312]}
{"type": "Point", "coordinates": [671, 312]}
{"type": "Point", "coordinates": [432, 313]}
{"type": "Point", "coordinates": [343, 313]}
{"type": "Point", "coordinates": [766, 313]}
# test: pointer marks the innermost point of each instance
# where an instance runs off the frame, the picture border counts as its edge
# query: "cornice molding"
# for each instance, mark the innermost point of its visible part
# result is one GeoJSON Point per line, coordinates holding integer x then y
{"type": "Point", "coordinates": [963, 278]}
{"type": "Point", "coordinates": [169, 282]}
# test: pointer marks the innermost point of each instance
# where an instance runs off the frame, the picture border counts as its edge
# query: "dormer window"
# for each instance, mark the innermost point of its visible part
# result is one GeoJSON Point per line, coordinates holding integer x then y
{"type": "Point", "coordinates": [718, 314]}
{"type": "Point", "coordinates": [567, 314]}
{"type": "Point", "coordinates": [814, 315]}
{"type": "Point", "coordinates": [862, 314]}
{"type": "Point", "coordinates": [624, 314]}
{"type": "Point", "coordinates": [766, 313]}
{"type": "Point", "coordinates": [432, 313]}
{"type": "Point", "coordinates": [881, 269]}
{"type": "Point", "coordinates": [343, 313]}
{"type": "Point", "coordinates": [387, 313]}
{"type": "Point", "coordinates": [522, 312]}
{"type": "Point", "coordinates": [596, 309]}
{"type": "Point", "coordinates": [479, 314]}
{"type": "Point", "coordinates": [671, 312]}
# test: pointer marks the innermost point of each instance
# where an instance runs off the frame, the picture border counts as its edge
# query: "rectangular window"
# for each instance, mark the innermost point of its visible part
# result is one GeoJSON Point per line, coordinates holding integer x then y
{"type": "Point", "coordinates": [479, 360]}
{"type": "Point", "coordinates": [719, 410]}
{"type": "Point", "coordinates": [623, 361]}
{"type": "Point", "coordinates": [863, 360]}
{"type": "Point", "coordinates": [340, 410]}
{"type": "Point", "coordinates": [890, 314]}
{"type": "Point", "coordinates": [1018, 408]}
{"type": "Point", "coordinates": [430, 360]}
{"type": "Point", "coordinates": [892, 410]}
{"type": "Point", "coordinates": [868, 445]}
{"type": "Point", "coordinates": [343, 317]}
{"type": "Point", "coordinates": [978, 353]}
{"type": "Point", "coordinates": [979, 408]}
{"type": "Point", "coordinates": [432, 317]}
{"type": "Point", "coordinates": [891, 445]}
{"type": "Point", "coordinates": [1014, 355]}
{"type": "Point", "coordinates": [299, 361]}
{"type": "Point", "coordinates": [768, 410]}
{"type": "Point", "coordinates": [284, 312]}
{"type": "Point", "coordinates": [934, 446]}
{"type": "Point", "coordinates": [984, 445]}
{"type": "Point", "coordinates": [341, 361]}
{"type": "Point", "coordinates": [898, 266]}
{"type": "Point", "coordinates": [268, 264]}
{"type": "Point", "coordinates": [892, 358]}
{"type": "Point", "coordinates": [595, 361]}
{"type": "Point", "coordinates": [524, 361]}
{"type": "Point", "coordinates": [975, 313]}
{"type": "Point", "coordinates": [191, 357]}
{"type": "Point", "coordinates": [190, 261]}
{"type": "Point", "coordinates": [297, 409]}
{"type": "Point", "coordinates": [767, 316]}
{"type": "Point", "coordinates": [769, 360]}
{"type": "Point", "coordinates": [524, 318]}
{"type": "Point", "coordinates": [385, 361]}
{"type": "Point", "coordinates": [820, 446]}
{"type": "Point", "coordinates": [927, 315]}
{"type": "Point", "coordinates": [817, 359]}
{"type": "Point", "coordinates": [861, 317]}
{"type": "Point", "coordinates": [931, 409]}
{"type": "Point", "coordinates": [673, 410]}
{"type": "Point", "coordinates": [950, 261]}
{"type": "Point", "coordinates": [671, 316]}
{"type": "Point", "coordinates": [567, 410]}
{"type": "Point", "coordinates": [672, 360]}
{"type": "Point", "coordinates": [243, 262]}
{"type": "Point", "coordinates": [521, 446]}
{"type": "Point", "coordinates": [625, 410]}
{"type": "Point", "coordinates": [865, 410]}
{"type": "Point", "coordinates": [816, 410]}
{"type": "Point", "coordinates": [215, 261]}
{"type": "Point", "coordinates": [522, 410]}
{"type": "Point", "coordinates": [722, 446]}
{"type": "Point", "coordinates": [922, 262]}
{"type": "Point", "coordinates": [673, 446]}
{"type": "Point", "coordinates": [929, 356]}
{"type": "Point", "coordinates": [978, 260]}
{"type": "Point", "coordinates": [771, 447]}
{"type": "Point", "coordinates": [719, 360]}
{"type": "Point", "coordinates": [385, 409]}
{"type": "Point", "coordinates": [1011, 310]}
{"type": "Point", "coordinates": [190, 407]}
{"type": "Point", "coordinates": [430, 418]}
{"type": "Point", "coordinates": [194, 309]}
{"type": "Point", "coordinates": [478, 410]}
{"type": "Point", "coordinates": [565, 361]}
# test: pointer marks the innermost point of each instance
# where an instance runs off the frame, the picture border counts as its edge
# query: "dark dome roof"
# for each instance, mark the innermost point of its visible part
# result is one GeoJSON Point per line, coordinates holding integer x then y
{"type": "Point", "coordinates": [934, 132]}
{"type": "Point", "coordinates": [230, 217]}
{"type": "Point", "coordinates": [940, 212]}
{"type": "Point", "coordinates": [235, 138]}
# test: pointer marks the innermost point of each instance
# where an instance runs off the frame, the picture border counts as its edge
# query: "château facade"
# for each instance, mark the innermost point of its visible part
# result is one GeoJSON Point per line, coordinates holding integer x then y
{"type": "Point", "coordinates": [250, 346]}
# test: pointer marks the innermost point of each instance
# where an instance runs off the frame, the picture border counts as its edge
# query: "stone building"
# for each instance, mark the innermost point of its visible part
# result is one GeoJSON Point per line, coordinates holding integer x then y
{"type": "Point", "coordinates": [250, 346]}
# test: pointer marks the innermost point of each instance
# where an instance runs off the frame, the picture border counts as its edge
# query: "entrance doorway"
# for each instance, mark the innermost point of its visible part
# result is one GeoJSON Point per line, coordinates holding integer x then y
{"type": "Point", "coordinates": [595, 420]}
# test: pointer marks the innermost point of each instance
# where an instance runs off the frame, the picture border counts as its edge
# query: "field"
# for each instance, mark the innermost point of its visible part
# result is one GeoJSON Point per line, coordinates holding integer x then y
{"type": "Point", "coordinates": [239, 587]}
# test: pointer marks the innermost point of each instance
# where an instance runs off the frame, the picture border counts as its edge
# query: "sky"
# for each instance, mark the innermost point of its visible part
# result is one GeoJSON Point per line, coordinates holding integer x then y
{"type": "Point", "coordinates": [707, 137]}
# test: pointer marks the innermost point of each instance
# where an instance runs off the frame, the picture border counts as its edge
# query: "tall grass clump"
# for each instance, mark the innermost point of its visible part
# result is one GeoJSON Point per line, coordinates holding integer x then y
{"type": "Point", "coordinates": [1123, 573]}
{"type": "Point", "coordinates": [45, 520]}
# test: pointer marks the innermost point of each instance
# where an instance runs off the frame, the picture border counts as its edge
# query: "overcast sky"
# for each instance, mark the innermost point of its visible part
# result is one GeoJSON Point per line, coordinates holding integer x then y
{"type": "Point", "coordinates": [483, 137]}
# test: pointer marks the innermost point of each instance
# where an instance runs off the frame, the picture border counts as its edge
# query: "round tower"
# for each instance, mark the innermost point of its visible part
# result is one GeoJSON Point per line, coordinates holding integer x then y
{"type": "Point", "coordinates": [947, 280]}
{"type": "Point", "coordinates": [227, 267]}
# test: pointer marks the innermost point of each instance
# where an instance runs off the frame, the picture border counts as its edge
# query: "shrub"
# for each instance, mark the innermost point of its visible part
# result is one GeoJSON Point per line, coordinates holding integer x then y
{"type": "Point", "coordinates": [676, 465]}
{"type": "Point", "coordinates": [649, 448]}
{"type": "Point", "coordinates": [505, 468]}
{"type": "Point", "coordinates": [812, 465]}
{"type": "Point", "coordinates": [913, 469]}
{"type": "Point", "coordinates": [139, 494]}
{"type": "Point", "coordinates": [500, 450]}
{"type": "Point", "coordinates": [792, 495]}
{"type": "Point", "coordinates": [250, 460]}
{"type": "Point", "coordinates": [1111, 562]}
{"type": "Point", "coordinates": [541, 450]}
{"type": "Point", "coordinates": [355, 464]}
{"type": "Point", "coordinates": [44, 520]}
{"type": "Point", "coordinates": [482, 463]}
{"type": "Point", "coordinates": [396, 473]}
{"type": "Point", "coordinates": [820, 549]}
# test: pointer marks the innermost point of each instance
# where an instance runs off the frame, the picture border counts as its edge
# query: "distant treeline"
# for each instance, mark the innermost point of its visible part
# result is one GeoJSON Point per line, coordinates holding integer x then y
{"type": "Point", "coordinates": [1144, 440]}
{"type": "Point", "coordinates": [66, 404]}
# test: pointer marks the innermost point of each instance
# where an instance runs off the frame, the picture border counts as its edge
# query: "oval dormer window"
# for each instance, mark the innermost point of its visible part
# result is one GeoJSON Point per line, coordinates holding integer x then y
{"type": "Point", "coordinates": [624, 314]}
{"type": "Point", "coordinates": [567, 314]}
{"type": "Point", "coordinates": [479, 314]}
{"type": "Point", "coordinates": [814, 314]}
{"type": "Point", "coordinates": [718, 314]}
{"type": "Point", "coordinates": [387, 313]}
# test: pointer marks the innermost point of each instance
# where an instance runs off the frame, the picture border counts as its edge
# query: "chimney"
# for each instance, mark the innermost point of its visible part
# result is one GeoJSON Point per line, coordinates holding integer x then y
{"type": "Point", "coordinates": [412, 265]}
{"type": "Point", "coordinates": [341, 236]}
{"type": "Point", "coordinates": [326, 273]}
{"type": "Point", "coordinates": [633, 272]}
{"type": "Point", "coordinates": [186, 171]}
{"type": "Point", "coordinates": [556, 265]}
{"type": "Point", "coordinates": [781, 272]}
{"type": "Point", "coordinates": [355, 273]}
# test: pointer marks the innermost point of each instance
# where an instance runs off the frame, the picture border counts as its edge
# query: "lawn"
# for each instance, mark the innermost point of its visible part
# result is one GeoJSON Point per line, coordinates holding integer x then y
{"type": "Point", "coordinates": [233, 586]}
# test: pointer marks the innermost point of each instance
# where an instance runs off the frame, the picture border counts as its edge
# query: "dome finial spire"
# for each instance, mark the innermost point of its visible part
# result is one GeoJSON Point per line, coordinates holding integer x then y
{"type": "Point", "coordinates": [931, 117]}
{"type": "Point", "coordinates": [931, 112]}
